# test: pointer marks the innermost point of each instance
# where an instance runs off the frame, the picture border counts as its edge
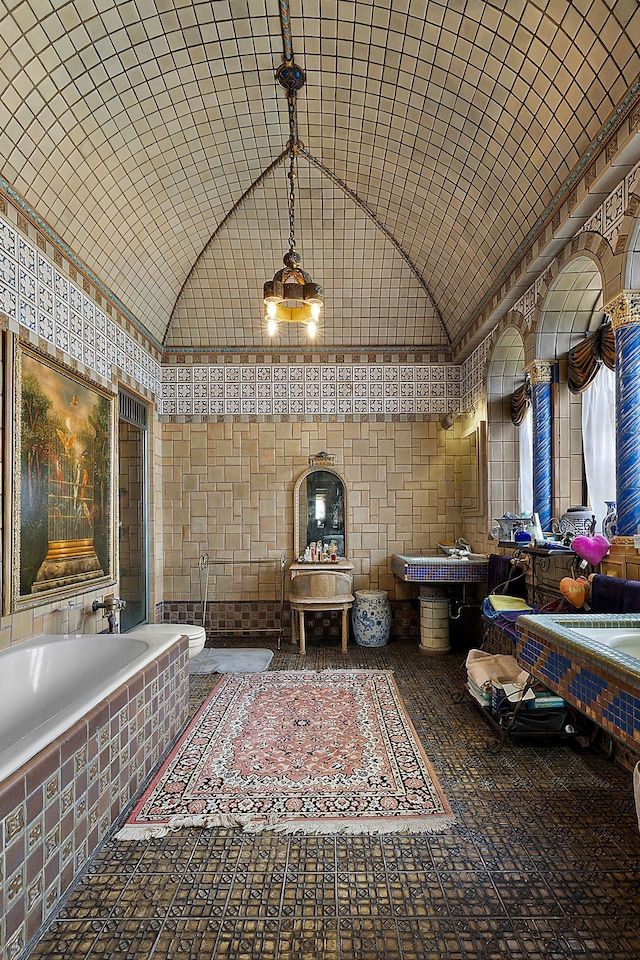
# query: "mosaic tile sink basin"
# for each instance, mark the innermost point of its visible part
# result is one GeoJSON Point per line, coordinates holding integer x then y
{"type": "Point", "coordinates": [437, 569]}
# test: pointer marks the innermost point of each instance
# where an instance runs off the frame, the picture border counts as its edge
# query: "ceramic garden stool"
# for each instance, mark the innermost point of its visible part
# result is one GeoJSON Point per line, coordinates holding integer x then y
{"type": "Point", "coordinates": [371, 618]}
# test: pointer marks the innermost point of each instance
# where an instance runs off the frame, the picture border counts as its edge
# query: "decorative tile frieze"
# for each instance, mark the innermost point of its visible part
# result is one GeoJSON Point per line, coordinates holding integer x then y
{"type": "Point", "coordinates": [310, 389]}
{"type": "Point", "coordinates": [40, 302]}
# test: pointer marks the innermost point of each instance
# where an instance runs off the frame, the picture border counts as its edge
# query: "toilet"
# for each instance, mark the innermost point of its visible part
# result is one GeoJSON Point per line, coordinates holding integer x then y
{"type": "Point", "coordinates": [197, 635]}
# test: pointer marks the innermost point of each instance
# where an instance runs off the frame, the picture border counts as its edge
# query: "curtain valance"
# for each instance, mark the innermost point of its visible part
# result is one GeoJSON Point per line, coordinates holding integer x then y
{"type": "Point", "coordinates": [586, 358]}
{"type": "Point", "coordinates": [520, 403]}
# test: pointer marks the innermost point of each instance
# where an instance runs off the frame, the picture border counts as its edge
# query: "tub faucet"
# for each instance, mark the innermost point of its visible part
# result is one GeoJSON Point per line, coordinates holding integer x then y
{"type": "Point", "coordinates": [110, 605]}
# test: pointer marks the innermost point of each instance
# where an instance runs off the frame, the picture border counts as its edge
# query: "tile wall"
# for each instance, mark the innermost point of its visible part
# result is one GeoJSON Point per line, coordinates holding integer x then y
{"type": "Point", "coordinates": [228, 492]}
{"type": "Point", "coordinates": [45, 299]}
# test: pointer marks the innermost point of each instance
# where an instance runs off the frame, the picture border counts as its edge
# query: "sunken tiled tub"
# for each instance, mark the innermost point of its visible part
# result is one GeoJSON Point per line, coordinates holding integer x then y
{"type": "Point", "coordinates": [83, 721]}
{"type": "Point", "coordinates": [593, 661]}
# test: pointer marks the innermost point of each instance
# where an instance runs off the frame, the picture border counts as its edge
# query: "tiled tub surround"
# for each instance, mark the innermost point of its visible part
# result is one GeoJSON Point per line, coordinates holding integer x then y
{"type": "Point", "coordinates": [58, 806]}
{"type": "Point", "coordinates": [600, 681]}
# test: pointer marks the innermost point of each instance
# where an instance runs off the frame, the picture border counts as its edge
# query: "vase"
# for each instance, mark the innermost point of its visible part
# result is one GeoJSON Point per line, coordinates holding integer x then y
{"type": "Point", "coordinates": [371, 618]}
{"type": "Point", "coordinates": [610, 521]}
{"type": "Point", "coordinates": [577, 522]}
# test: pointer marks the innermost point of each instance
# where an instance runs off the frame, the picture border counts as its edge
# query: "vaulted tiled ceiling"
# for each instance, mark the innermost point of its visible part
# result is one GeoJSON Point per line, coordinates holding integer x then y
{"type": "Point", "coordinates": [436, 135]}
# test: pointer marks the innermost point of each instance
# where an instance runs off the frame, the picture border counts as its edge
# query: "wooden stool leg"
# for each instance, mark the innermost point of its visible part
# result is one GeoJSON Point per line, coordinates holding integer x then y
{"type": "Point", "coordinates": [303, 646]}
{"type": "Point", "coordinates": [345, 629]}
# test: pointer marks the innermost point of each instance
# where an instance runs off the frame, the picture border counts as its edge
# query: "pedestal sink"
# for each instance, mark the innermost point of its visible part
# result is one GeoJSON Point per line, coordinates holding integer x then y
{"type": "Point", "coordinates": [435, 604]}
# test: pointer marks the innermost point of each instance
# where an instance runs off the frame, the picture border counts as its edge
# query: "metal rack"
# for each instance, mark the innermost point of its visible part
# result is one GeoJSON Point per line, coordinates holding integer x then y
{"type": "Point", "coordinates": [205, 563]}
{"type": "Point", "coordinates": [504, 720]}
{"type": "Point", "coordinates": [542, 560]}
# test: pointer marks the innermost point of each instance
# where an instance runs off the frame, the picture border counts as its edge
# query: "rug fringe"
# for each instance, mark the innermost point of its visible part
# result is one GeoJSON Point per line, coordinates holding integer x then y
{"type": "Point", "coordinates": [370, 828]}
{"type": "Point", "coordinates": [248, 825]}
{"type": "Point", "coordinates": [148, 831]}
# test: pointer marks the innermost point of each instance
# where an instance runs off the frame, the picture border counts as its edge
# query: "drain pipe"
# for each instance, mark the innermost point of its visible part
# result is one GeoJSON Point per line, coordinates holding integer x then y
{"type": "Point", "coordinates": [461, 605]}
{"type": "Point", "coordinates": [203, 567]}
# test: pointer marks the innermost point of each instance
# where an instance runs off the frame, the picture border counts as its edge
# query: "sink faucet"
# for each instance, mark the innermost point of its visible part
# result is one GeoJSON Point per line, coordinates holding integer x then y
{"type": "Point", "coordinates": [110, 605]}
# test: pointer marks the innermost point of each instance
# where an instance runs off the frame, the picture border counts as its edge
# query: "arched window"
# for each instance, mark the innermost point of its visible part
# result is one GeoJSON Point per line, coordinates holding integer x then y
{"type": "Point", "coordinates": [591, 373]}
{"type": "Point", "coordinates": [525, 477]}
{"type": "Point", "coordinates": [599, 441]}
{"type": "Point", "coordinates": [522, 418]}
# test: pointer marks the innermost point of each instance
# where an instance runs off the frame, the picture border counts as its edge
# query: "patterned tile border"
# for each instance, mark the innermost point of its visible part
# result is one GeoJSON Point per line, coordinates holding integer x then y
{"type": "Point", "coordinates": [228, 616]}
{"type": "Point", "coordinates": [602, 683]}
{"type": "Point", "coordinates": [56, 313]}
{"type": "Point", "coordinates": [306, 389]}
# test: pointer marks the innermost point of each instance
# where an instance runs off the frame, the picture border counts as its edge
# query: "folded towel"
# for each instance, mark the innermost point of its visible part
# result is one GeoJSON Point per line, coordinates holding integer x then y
{"type": "Point", "coordinates": [631, 596]}
{"type": "Point", "coordinates": [483, 667]}
{"type": "Point", "coordinates": [501, 602]}
{"type": "Point", "coordinates": [606, 594]}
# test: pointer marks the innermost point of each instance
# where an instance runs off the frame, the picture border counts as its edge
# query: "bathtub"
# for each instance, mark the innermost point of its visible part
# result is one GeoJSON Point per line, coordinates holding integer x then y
{"type": "Point", "coordinates": [590, 659]}
{"type": "Point", "coordinates": [48, 683]}
{"type": "Point", "coordinates": [624, 639]}
{"type": "Point", "coordinates": [83, 723]}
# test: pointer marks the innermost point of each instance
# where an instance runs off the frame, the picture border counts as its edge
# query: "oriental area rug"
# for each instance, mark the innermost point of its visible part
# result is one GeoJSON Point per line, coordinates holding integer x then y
{"type": "Point", "coordinates": [329, 752]}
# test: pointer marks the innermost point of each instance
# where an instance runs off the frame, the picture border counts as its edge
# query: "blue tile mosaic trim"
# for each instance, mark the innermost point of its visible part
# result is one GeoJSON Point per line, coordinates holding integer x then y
{"type": "Point", "coordinates": [602, 683]}
{"type": "Point", "coordinates": [624, 712]}
{"type": "Point", "coordinates": [587, 686]}
{"type": "Point", "coordinates": [556, 667]}
{"type": "Point", "coordinates": [437, 570]}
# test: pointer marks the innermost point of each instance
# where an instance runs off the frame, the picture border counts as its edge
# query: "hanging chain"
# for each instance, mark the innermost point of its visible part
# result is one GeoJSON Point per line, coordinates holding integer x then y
{"type": "Point", "coordinates": [292, 78]}
{"type": "Point", "coordinates": [291, 102]}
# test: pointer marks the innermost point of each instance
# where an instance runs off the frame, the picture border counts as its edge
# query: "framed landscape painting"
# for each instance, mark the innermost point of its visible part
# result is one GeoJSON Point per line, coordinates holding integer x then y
{"type": "Point", "coordinates": [61, 431]}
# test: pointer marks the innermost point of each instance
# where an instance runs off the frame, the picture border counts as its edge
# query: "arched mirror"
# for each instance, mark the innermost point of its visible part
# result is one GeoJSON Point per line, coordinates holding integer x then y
{"type": "Point", "coordinates": [320, 510]}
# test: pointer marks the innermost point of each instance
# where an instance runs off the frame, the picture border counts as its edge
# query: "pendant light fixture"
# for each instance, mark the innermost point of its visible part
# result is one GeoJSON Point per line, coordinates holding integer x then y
{"type": "Point", "coordinates": [292, 296]}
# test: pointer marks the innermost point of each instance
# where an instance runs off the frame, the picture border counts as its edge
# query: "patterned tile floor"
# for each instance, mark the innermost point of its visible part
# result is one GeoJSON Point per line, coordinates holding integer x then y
{"type": "Point", "coordinates": [543, 861]}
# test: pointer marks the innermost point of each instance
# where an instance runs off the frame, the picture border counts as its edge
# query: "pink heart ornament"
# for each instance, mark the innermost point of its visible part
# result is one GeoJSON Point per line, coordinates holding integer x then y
{"type": "Point", "coordinates": [591, 549]}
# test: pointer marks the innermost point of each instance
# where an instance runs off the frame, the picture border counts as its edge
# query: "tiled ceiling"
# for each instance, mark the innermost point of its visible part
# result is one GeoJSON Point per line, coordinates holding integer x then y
{"type": "Point", "coordinates": [435, 136]}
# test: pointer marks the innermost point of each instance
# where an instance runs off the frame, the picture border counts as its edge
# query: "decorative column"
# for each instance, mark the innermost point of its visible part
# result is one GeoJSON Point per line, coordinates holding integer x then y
{"type": "Point", "coordinates": [541, 376]}
{"type": "Point", "coordinates": [625, 319]}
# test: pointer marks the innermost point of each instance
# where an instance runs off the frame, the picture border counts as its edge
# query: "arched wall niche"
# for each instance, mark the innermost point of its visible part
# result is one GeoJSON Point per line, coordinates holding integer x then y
{"type": "Point", "coordinates": [505, 372]}
{"type": "Point", "coordinates": [571, 307]}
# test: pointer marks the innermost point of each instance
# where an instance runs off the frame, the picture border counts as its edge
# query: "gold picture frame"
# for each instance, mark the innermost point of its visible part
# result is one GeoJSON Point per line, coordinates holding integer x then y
{"type": "Point", "coordinates": [59, 520]}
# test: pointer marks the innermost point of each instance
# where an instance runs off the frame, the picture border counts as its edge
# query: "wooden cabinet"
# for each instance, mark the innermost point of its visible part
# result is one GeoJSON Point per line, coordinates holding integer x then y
{"type": "Point", "coordinates": [614, 567]}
